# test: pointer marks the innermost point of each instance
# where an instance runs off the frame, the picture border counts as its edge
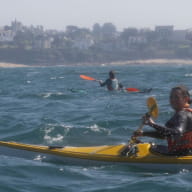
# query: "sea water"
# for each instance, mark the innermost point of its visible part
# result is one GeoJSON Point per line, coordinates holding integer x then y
{"type": "Point", "coordinates": [53, 106]}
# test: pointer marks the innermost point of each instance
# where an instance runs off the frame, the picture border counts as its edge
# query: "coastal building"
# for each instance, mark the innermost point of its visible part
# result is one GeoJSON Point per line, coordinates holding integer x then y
{"type": "Point", "coordinates": [16, 26]}
{"type": "Point", "coordinates": [189, 34]}
{"type": "Point", "coordinates": [6, 35]}
{"type": "Point", "coordinates": [137, 40]}
{"type": "Point", "coordinates": [179, 36]}
{"type": "Point", "coordinates": [42, 42]}
{"type": "Point", "coordinates": [164, 32]}
{"type": "Point", "coordinates": [83, 43]}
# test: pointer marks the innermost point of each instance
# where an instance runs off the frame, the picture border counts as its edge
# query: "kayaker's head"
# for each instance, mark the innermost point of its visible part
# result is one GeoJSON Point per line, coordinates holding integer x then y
{"type": "Point", "coordinates": [179, 98]}
{"type": "Point", "coordinates": [112, 74]}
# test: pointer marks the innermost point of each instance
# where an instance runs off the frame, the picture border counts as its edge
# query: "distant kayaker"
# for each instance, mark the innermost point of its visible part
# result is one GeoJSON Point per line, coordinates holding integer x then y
{"type": "Point", "coordinates": [112, 83]}
{"type": "Point", "coordinates": [177, 130]}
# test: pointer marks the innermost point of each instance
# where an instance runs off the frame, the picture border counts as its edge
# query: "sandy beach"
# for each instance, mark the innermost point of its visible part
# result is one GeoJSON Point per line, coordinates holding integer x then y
{"type": "Point", "coordinates": [154, 61]}
{"type": "Point", "coordinates": [147, 61]}
{"type": "Point", "coordinates": [11, 65]}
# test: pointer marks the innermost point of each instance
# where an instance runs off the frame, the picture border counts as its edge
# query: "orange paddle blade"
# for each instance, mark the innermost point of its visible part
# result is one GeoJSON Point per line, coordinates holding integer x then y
{"type": "Point", "coordinates": [87, 77]}
{"type": "Point", "coordinates": [132, 89]}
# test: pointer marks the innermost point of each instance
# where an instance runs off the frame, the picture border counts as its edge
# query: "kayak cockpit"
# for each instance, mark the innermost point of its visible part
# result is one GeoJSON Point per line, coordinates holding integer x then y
{"type": "Point", "coordinates": [163, 150]}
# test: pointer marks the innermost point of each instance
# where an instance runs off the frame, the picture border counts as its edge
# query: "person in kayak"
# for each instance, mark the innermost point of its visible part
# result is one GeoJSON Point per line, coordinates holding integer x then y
{"type": "Point", "coordinates": [112, 83]}
{"type": "Point", "coordinates": [177, 130]}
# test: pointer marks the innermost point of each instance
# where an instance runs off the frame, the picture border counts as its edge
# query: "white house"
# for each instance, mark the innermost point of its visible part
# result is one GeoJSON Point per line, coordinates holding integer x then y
{"type": "Point", "coordinates": [164, 32]}
{"type": "Point", "coordinates": [83, 43]}
{"type": "Point", "coordinates": [6, 35]}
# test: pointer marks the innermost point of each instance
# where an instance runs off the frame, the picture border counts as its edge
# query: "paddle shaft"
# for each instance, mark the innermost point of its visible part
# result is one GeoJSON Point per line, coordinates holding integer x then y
{"type": "Point", "coordinates": [152, 107]}
{"type": "Point", "coordinates": [143, 123]}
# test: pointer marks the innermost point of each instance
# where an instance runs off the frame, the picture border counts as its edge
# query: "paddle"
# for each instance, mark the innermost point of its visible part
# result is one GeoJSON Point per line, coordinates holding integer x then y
{"type": "Point", "coordinates": [132, 89]}
{"type": "Point", "coordinates": [152, 111]}
{"type": "Point", "coordinates": [152, 107]}
{"type": "Point", "coordinates": [93, 79]}
{"type": "Point", "coordinates": [87, 78]}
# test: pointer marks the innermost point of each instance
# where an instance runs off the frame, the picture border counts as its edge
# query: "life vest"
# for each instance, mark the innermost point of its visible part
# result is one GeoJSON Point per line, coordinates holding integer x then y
{"type": "Point", "coordinates": [179, 143]}
{"type": "Point", "coordinates": [114, 85]}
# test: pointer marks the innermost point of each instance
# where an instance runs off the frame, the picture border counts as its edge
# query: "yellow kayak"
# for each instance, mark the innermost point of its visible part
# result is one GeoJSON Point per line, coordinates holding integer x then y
{"type": "Point", "coordinates": [141, 155]}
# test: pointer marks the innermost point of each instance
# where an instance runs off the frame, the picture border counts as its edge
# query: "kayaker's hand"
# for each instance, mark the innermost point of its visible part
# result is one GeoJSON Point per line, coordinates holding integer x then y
{"type": "Point", "coordinates": [99, 81]}
{"type": "Point", "coordinates": [138, 133]}
{"type": "Point", "coordinates": [147, 120]}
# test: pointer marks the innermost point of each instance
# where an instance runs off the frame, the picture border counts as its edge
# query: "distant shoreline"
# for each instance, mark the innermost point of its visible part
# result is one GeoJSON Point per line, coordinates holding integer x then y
{"type": "Point", "coordinates": [154, 61]}
{"type": "Point", "coordinates": [11, 65]}
{"type": "Point", "coordinates": [129, 62]}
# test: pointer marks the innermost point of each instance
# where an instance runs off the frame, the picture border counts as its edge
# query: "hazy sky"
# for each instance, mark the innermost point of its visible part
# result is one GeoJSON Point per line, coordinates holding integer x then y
{"type": "Point", "coordinates": [57, 14]}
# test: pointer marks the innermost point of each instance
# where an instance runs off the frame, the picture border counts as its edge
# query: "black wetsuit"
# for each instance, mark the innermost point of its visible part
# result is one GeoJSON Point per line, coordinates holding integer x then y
{"type": "Point", "coordinates": [179, 124]}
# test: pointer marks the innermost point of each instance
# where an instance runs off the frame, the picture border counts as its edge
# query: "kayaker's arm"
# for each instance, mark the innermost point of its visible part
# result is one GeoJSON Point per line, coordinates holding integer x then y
{"type": "Point", "coordinates": [164, 130]}
{"type": "Point", "coordinates": [120, 86]}
{"type": "Point", "coordinates": [177, 125]}
{"type": "Point", "coordinates": [153, 134]}
{"type": "Point", "coordinates": [102, 84]}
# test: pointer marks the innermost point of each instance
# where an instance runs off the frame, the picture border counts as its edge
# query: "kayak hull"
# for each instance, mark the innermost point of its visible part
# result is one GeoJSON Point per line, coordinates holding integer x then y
{"type": "Point", "coordinates": [97, 155]}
